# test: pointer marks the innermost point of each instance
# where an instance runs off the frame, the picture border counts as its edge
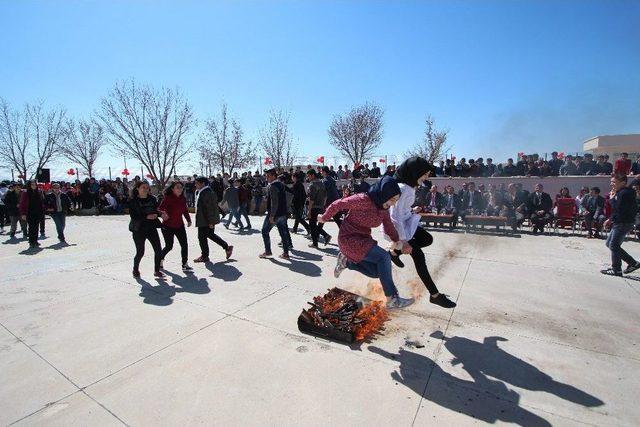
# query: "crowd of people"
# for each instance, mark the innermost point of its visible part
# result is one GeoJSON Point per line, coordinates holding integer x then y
{"type": "Point", "coordinates": [313, 197]}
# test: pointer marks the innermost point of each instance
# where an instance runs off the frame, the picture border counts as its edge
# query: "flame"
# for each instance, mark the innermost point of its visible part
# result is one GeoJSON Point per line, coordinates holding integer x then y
{"type": "Point", "coordinates": [373, 315]}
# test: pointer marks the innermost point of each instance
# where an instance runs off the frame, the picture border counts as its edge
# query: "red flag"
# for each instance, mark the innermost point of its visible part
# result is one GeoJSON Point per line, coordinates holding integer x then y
{"type": "Point", "coordinates": [267, 160]}
{"type": "Point", "coordinates": [71, 172]}
{"type": "Point", "coordinates": [149, 176]}
{"type": "Point", "coordinates": [561, 155]}
{"type": "Point", "coordinates": [383, 160]}
{"type": "Point", "coordinates": [320, 159]}
{"type": "Point", "coordinates": [520, 154]}
{"type": "Point", "coordinates": [125, 172]}
{"type": "Point", "coordinates": [21, 176]}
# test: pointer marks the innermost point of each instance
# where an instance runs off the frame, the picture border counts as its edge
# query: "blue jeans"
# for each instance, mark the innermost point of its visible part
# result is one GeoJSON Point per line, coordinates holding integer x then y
{"type": "Point", "coordinates": [281, 223]}
{"type": "Point", "coordinates": [59, 219]}
{"type": "Point", "coordinates": [244, 211]}
{"type": "Point", "coordinates": [257, 200]}
{"type": "Point", "coordinates": [614, 243]}
{"type": "Point", "coordinates": [377, 264]}
{"type": "Point", "coordinates": [234, 213]}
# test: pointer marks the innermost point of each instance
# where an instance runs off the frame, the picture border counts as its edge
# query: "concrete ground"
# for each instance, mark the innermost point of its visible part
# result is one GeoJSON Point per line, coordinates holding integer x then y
{"type": "Point", "coordinates": [539, 337]}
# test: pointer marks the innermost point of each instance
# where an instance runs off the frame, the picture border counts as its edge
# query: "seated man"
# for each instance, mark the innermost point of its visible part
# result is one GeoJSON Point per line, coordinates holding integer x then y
{"type": "Point", "coordinates": [472, 201]}
{"type": "Point", "coordinates": [111, 206]}
{"type": "Point", "coordinates": [540, 206]}
{"type": "Point", "coordinates": [594, 212]}
{"type": "Point", "coordinates": [493, 201]}
{"type": "Point", "coordinates": [451, 203]}
{"type": "Point", "coordinates": [433, 201]}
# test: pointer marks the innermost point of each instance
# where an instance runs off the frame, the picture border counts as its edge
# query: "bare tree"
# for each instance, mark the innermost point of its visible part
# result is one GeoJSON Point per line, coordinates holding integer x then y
{"type": "Point", "coordinates": [150, 125]}
{"type": "Point", "coordinates": [434, 144]}
{"type": "Point", "coordinates": [276, 141]}
{"type": "Point", "coordinates": [29, 138]}
{"type": "Point", "coordinates": [222, 143]}
{"type": "Point", "coordinates": [84, 142]}
{"type": "Point", "coordinates": [359, 133]}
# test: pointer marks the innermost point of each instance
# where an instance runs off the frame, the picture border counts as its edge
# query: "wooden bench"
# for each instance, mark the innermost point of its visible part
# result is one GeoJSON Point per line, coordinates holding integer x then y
{"type": "Point", "coordinates": [480, 220]}
{"type": "Point", "coordinates": [439, 219]}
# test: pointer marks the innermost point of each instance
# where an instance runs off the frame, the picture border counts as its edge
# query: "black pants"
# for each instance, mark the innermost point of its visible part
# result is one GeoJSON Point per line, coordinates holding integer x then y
{"type": "Point", "coordinates": [316, 229]}
{"type": "Point", "coordinates": [337, 218]}
{"type": "Point", "coordinates": [421, 239]}
{"type": "Point", "coordinates": [205, 233]}
{"type": "Point", "coordinates": [33, 224]}
{"type": "Point", "coordinates": [3, 215]}
{"type": "Point", "coordinates": [539, 221]}
{"type": "Point", "coordinates": [42, 225]}
{"type": "Point", "coordinates": [181, 234]}
{"type": "Point", "coordinates": [139, 238]}
{"type": "Point", "coordinates": [299, 219]}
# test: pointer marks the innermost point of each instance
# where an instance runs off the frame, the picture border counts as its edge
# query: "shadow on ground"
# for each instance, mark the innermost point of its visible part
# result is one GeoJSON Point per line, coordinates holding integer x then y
{"type": "Point", "coordinates": [491, 370]}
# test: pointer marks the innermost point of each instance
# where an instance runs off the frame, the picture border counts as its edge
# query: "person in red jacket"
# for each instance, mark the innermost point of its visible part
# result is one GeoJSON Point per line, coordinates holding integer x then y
{"type": "Point", "coordinates": [623, 165]}
{"type": "Point", "coordinates": [173, 208]}
{"type": "Point", "coordinates": [32, 210]}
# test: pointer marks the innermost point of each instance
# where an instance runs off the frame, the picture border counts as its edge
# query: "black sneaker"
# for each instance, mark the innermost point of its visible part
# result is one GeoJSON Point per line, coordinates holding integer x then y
{"type": "Point", "coordinates": [396, 259]}
{"type": "Point", "coordinates": [442, 301]}
{"type": "Point", "coordinates": [632, 268]}
{"type": "Point", "coordinates": [327, 240]}
{"type": "Point", "coordinates": [186, 267]}
{"type": "Point", "coordinates": [611, 272]}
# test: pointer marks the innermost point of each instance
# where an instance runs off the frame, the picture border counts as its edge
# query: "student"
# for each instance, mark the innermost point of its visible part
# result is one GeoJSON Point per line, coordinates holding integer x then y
{"type": "Point", "coordinates": [623, 215]}
{"type": "Point", "coordinates": [174, 204]}
{"type": "Point", "coordinates": [143, 209]}
{"type": "Point", "coordinates": [32, 211]}
{"type": "Point", "coordinates": [207, 216]}
{"type": "Point", "coordinates": [316, 199]}
{"type": "Point", "coordinates": [594, 212]}
{"type": "Point", "coordinates": [409, 175]}
{"type": "Point", "coordinates": [276, 215]}
{"type": "Point", "coordinates": [232, 197]}
{"type": "Point", "coordinates": [358, 250]}
{"type": "Point", "coordinates": [299, 199]}
{"type": "Point", "coordinates": [332, 193]}
{"type": "Point", "coordinates": [57, 205]}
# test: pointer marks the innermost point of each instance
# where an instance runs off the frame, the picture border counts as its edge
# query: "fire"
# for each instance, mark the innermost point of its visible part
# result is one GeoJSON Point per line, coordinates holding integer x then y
{"type": "Point", "coordinates": [372, 318]}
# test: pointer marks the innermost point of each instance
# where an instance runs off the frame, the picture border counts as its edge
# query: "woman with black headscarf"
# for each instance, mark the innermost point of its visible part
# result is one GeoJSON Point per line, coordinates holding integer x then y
{"type": "Point", "coordinates": [412, 238]}
{"type": "Point", "coordinates": [358, 250]}
{"type": "Point", "coordinates": [32, 210]}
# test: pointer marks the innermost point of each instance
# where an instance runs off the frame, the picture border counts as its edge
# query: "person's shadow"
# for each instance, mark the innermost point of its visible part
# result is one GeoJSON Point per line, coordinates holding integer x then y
{"type": "Point", "coordinates": [189, 283]}
{"type": "Point", "coordinates": [224, 270]}
{"type": "Point", "coordinates": [161, 295]}
{"type": "Point", "coordinates": [481, 360]}
{"type": "Point", "coordinates": [60, 245]}
{"type": "Point", "coordinates": [31, 251]}
{"type": "Point", "coordinates": [297, 266]}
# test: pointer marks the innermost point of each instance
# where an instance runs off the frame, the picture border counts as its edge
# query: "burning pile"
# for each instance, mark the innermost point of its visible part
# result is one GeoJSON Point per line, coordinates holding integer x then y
{"type": "Point", "coordinates": [342, 316]}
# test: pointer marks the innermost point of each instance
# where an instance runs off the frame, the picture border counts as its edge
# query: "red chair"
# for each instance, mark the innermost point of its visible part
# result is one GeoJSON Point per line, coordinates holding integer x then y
{"type": "Point", "coordinates": [566, 215]}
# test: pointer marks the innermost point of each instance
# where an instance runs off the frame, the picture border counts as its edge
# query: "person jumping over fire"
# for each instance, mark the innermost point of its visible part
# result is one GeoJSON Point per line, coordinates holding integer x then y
{"type": "Point", "coordinates": [358, 250]}
{"type": "Point", "coordinates": [409, 175]}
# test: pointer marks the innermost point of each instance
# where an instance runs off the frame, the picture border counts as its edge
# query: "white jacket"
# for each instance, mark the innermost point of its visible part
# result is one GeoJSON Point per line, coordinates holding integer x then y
{"type": "Point", "coordinates": [405, 221]}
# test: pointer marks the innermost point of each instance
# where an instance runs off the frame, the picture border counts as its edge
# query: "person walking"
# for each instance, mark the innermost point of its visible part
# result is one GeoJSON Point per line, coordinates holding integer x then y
{"type": "Point", "coordinates": [244, 195]}
{"type": "Point", "coordinates": [332, 192]}
{"type": "Point", "coordinates": [207, 216]}
{"type": "Point", "coordinates": [623, 214]}
{"type": "Point", "coordinates": [143, 209]}
{"type": "Point", "coordinates": [32, 211]}
{"type": "Point", "coordinates": [174, 205]}
{"type": "Point", "coordinates": [12, 202]}
{"type": "Point", "coordinates": [358, 250]}
{"type": "Point", "coordinates": [231, 197]}
{"type": "Point", "coordinates": [316, 199]}
{"type": "Point", "coordinates": [276, 215]}
{"type": "Point", "coordinates": [299, 199]}
{"type": "Point", "coordinates": [57, 206]}
{"type": "Point", "coordinates": [3, 208]}
{"type": "Point", "coordinates": [410, 175]}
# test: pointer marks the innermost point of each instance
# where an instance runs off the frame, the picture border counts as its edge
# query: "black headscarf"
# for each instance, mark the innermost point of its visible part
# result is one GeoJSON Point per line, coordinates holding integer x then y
{"type": "Point", "coordinates": [383, 190]}
{"type": "Point", "coordinates": [411, 169]}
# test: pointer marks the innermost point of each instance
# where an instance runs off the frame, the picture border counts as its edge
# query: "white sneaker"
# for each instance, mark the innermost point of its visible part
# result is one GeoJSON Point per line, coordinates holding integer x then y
{"type": "Point", "coordinates": [341, 264]}
{"type": "Point", "coordinates": [398, 302]}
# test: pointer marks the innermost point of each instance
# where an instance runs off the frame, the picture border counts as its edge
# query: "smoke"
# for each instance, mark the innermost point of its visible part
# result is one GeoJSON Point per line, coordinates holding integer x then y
{"type": "Point", "coordinates": [564, 121]}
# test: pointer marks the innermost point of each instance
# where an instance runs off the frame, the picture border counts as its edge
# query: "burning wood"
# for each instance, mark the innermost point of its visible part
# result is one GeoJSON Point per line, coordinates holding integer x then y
{"type": "Point", "coordinates": [343, 316]}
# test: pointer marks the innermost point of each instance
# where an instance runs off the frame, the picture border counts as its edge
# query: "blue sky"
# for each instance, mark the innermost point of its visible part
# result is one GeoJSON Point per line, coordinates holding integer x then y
{"type": "Point", "coordinates": [503, 76]}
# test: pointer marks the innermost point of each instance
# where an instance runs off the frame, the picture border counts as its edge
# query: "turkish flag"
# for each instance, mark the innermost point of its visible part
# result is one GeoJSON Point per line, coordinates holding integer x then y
{"type": "Point", "coordinates": [320, 159]}
{"type": "Point", "coordinates": [382, 160]}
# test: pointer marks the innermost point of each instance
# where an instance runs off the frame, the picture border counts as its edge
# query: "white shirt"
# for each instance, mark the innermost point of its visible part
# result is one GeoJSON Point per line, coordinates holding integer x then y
{"type": "Point", "coordinates": [405, 221]}
{"type": "Point", "coordinates": [198, 195]}
{"type": "Point", "coordinates": [112, 201]}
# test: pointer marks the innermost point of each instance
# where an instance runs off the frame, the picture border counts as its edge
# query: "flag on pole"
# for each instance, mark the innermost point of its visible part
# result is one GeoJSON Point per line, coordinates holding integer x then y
{"type": "Point", "coordinates": [382, 160]}
{"type": "Point", "coordinates": [320, 159]}
{"type": "Point", "coordinates": [267, 160]}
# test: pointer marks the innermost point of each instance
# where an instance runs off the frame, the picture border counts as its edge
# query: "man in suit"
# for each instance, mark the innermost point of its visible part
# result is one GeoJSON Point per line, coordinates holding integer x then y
{"type": "Point", "coordinates": [540, 206]}
{"type": "Point", "coordinates": [594, 211]}
{"type": "Point", "coordinates": [207, 216]}
{"type": "Point", "coordinates": [472, 201]}
{"type": "Point", "coordinates": [493, 201]}
{"type": "Point", "coordinates": [433, 200]}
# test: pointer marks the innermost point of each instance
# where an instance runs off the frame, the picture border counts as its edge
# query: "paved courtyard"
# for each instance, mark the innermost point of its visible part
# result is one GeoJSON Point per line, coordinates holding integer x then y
{"type": "Point", "coordinates": [539, 337]}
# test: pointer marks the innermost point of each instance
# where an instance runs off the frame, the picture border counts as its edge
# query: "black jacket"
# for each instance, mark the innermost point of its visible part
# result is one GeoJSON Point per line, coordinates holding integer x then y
{"type": "Point", "coordinates": [332, 190]}
{"type": "Point", "coordinates": [11, 201]}
{"type": "Point", "coordinates": [477, 201]}
{"type": "Point", "coordinates": [50, 204]}
{"type": "Point", "coordinates": [623, 207]}
{"type": "Point", "coordinates": [542, 203]}
{"type": "Point", "coordinates": [139, 209]}
{"type": "Point", "coordinates": [299, 194]}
